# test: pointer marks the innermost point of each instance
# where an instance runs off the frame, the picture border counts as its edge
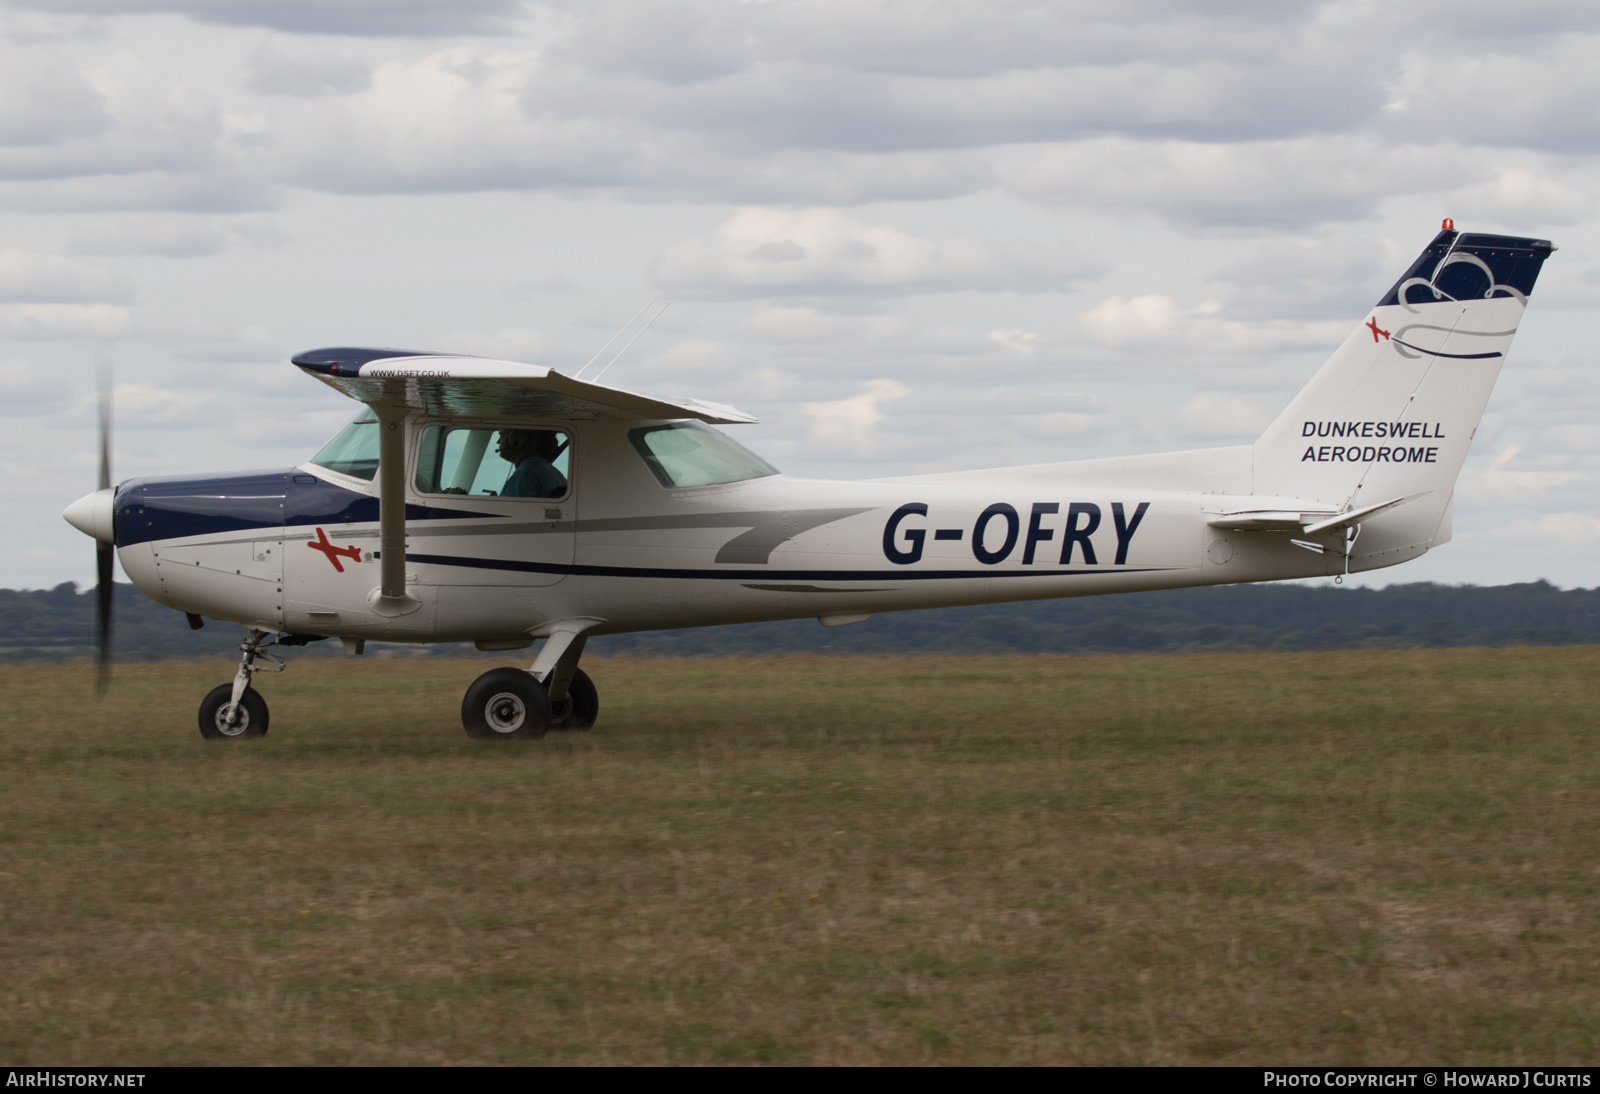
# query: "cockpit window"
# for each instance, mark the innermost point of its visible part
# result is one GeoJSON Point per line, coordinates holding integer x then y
{"type": "Point", "coordinates": [354, 451]}
{"type": "Point", "coordinates": [689, 454]}
{"type": "Point", "coordinates": [506, 463]}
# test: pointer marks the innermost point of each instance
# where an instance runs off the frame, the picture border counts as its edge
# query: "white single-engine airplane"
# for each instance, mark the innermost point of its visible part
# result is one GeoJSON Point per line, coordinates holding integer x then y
{"type": "Point", "coordinates": [484, 501]}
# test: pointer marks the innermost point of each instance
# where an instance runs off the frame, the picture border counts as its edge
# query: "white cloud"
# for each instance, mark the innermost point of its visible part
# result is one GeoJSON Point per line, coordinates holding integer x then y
{"type": "Point", "coordinates": [1215, 415]}
{"type": "Point", "coordinates": [1504, 478]}
{"type": "Point", "coordinates": [1300, 181]}
{"type": "Point", "coordinates": [689, 360]}
{"type": "Point", "coordinates": [847, 423]}
{"type": "Point", "coordinates": [1025, 342]}
{"type": "Point", "coordinates": [1154, 320]}
{"type": "Point", "coordinates": [1520, 197]}
{"type": "Point", "coordinates": [47, 321]}
{"type": "Point", "coordinates": [363, 17]}
{"type": "Point", "coordinates": [172, 235]}
{"type": "Point", "coordinates": [28, 389]}
{"type": "Point", "coordinates": [150, 124]}
{"type": "Point", "coordinates": [1337, 273]}
{"type": "Point", "coordinates": [1058, 426]}
{"type": "Point", "coordinates": [461, 120]}
{"type": "Point", "coordinates": [1533, 93]}
{"type": "Point", "coordinates": [30, 277]}
{"type": "Point", "coordinates": [502, 343]}
{"type": "Point", "coordinates": [141, 406]}
{"type": "Point", "coordinates": [43, 101]}
{"type": "Point", "coordinates": [773, 252]}
{"type": "Point", "coordinates": [270, 71]}
{"type": "Point", "coordinates": [781, 323]}
{"type": "Point", "coordinates": [218, 191]}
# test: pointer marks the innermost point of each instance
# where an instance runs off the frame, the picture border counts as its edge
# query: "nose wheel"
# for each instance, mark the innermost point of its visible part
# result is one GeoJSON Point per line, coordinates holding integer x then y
{"type": "Point", "coordinates": [221, 719]}
{"type": "Point", "coordinates": [233, 711]}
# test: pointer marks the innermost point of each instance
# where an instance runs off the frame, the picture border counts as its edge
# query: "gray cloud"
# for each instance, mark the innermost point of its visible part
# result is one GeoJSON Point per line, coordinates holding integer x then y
{"type": "Point", "coordinates": [171, 235]}
{"type": "Point", "coordinates": [270, 71]}
{"type": "Point", "coordinates": [367, 18]}
{"type": "Point", "coordinates": [1236, 114]}
{"type": "Point", "coordinates": [1269, 183]}
{"type": "Point", "coordinates": [1334, 276]}
{"type": "Point", "coordinates": [216, 192]}
{"type": "Point", "coordinates": [763, 252]}
{"type": "Point", "coordinates": [687, 41]}
{"type": "Point", "coordinates": [42, 102]}
{"type": "Point", "coordinates": [26, 277]}
{"type": "Point", "coordinates": [1541, 96]}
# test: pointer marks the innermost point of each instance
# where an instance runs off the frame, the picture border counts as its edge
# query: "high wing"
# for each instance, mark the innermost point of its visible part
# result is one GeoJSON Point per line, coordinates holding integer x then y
{"type": "Point", "coordinates": [452, 384]}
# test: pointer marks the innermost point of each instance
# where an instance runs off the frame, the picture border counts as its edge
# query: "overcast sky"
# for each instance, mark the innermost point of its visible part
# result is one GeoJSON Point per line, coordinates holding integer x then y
{"type": "Point", "coordinates": [908, 236]}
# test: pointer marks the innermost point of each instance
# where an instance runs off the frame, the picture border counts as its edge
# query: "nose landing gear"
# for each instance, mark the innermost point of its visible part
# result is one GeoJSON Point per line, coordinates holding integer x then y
{"type": "Point", "coordinates": [236, 710]}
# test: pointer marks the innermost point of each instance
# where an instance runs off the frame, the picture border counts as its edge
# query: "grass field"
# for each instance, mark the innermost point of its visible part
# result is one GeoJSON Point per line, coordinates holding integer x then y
{"type": "Point", "coordinates": [1247, 858]}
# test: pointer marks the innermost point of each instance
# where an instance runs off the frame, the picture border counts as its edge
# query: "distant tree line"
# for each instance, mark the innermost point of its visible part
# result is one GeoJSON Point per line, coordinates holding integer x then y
{"type": "Point", "coordinates": [58, 624]}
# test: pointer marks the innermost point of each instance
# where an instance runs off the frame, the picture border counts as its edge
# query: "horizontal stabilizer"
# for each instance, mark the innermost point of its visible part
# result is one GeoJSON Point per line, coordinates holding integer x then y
{"type": "Point", "coordinates": [1356, 516]}
{"type": "Point", "coordinates": [1306, 522]}
{"type": "Point", "coordinates": [449, 386]}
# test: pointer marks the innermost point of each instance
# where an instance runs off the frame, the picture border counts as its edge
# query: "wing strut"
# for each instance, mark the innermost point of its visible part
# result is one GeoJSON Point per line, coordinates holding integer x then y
{"type": "Point", "coordinates": [390, 597]}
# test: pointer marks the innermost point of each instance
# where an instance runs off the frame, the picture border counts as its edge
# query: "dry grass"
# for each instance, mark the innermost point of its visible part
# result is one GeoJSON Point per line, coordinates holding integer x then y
{"type": "Point", "coordinates": [1319, 858]}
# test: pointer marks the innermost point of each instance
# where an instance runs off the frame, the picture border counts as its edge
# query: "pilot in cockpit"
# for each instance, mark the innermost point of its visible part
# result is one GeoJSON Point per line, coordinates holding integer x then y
{"type": "Point", "coordinates": [531, 453]}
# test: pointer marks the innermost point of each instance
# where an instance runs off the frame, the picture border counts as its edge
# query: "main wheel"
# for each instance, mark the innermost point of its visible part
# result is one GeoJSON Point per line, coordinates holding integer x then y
{"type": "Point", "coordinates": [506, 703]}
{"type": "Point", "coordinates": [249, 718]}
{"type": "Point", "coordinates": [581, 706]}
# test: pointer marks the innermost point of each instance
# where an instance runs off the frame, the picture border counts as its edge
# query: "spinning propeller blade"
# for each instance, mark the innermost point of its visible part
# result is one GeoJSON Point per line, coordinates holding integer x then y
{"type": "Point", "coordinates": [103, 552]}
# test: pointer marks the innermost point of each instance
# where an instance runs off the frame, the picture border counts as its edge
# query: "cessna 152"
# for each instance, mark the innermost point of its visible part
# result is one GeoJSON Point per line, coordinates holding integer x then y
{"type": "Point", "coordinates": [475, 500]}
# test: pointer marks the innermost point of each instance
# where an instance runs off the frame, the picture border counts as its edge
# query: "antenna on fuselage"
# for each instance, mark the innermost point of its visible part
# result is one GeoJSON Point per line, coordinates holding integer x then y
{"type": "Point", "coordinates": [632, 340]}
{"type": "Point", "coordinates": [614, 337]}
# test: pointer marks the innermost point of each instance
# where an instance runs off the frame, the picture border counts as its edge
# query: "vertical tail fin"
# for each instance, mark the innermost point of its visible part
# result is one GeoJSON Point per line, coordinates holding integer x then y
{"type": "Point", "coordinates": [1393, 411]}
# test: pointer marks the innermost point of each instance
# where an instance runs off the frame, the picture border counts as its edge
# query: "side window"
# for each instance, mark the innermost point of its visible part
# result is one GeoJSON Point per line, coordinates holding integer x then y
{"type": "Point", "coordinates": [483, 462]}
{"type": "Point", "coordinates": [689, 454]}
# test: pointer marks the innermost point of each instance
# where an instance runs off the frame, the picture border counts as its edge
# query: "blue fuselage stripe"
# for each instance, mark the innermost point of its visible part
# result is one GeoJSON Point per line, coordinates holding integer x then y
{"type": "Point", "coordinates": [581, 570]}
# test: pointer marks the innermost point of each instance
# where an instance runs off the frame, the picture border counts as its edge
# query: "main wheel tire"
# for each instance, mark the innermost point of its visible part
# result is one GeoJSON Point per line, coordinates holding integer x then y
{"type": "Point", "coordinates": [249, 720]}
{"type": "Point", "coordinates": [581, 706]}
{"type": "Point", "coordinates": [506, 704]}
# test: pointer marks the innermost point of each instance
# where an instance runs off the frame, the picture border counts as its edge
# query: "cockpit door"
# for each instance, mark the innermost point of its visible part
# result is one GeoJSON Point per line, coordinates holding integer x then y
{"type": "Point", "coordinates": [494, 505]}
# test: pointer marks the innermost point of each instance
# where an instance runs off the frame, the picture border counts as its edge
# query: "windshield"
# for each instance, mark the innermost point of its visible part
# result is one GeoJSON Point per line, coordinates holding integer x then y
{"type": "Point", "coordinates": [354, 451]}
{"type": "Point", "coordinates": [689, 454]}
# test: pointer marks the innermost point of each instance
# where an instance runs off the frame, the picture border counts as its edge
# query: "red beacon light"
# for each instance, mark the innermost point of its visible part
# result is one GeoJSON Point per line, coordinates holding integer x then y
{"type": "Point", "coordinates": [1449, 225]}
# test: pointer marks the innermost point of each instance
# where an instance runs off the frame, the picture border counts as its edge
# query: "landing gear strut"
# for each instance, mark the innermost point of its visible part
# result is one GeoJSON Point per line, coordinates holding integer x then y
{"type": "Point", "coordinates": [231, 711]}
{"type": "Point", "coordinates": [554, 693]}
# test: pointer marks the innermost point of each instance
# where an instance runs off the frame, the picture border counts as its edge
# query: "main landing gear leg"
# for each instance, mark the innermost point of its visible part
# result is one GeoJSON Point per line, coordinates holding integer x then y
{"type": "Point", "coordinates": [235, 710]}
{"type": "Point", "coordinates": [554, 693]}
{"type": "Point", "coordinates": [574, 702]}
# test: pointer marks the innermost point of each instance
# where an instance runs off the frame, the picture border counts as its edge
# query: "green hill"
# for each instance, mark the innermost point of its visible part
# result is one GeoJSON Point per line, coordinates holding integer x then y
{"type": "Point", "coordinates": [58, 624]}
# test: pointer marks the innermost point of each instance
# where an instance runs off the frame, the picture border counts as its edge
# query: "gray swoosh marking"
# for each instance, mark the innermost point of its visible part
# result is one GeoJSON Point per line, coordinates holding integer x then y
{"type": "Point", "coordinates": [771, 529]}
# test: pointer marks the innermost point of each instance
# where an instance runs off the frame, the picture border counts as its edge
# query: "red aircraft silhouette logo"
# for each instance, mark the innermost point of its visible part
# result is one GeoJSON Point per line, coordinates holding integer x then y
{"type": "Point", "coordinates": [321, 544]}
{"type": "Point", "coordinates": [1372, 325]}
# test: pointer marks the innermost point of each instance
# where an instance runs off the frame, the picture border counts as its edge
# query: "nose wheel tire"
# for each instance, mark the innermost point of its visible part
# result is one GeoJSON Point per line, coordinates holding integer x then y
{"type": "Point", "coordinates": [581, 706]}
{"type": "Point", "coordinates": [249, 719]}
{"type": "Point", "coordinates": [506, 704]}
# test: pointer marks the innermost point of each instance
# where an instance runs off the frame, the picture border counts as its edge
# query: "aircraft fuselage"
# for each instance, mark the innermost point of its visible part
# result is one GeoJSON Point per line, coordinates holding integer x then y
{"type": "Point", "coordinates": [296, 550]}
